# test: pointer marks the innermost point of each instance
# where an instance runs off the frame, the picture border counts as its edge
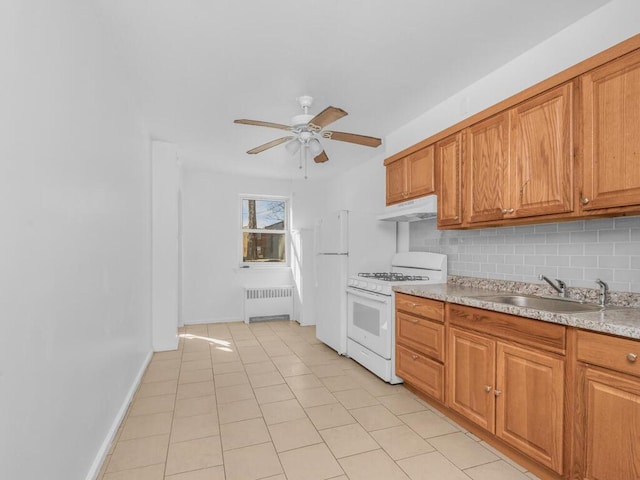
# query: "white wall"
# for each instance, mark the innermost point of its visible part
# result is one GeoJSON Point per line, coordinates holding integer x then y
{"type": "Point", "coordinates": [75, 237]}
{"type": "Point", "coordinates": [359, 189]}
{"type": "Point", "coordinates": [165, 232]}
{"type": "Point", "coordinates": [212, 280]}
{"type": "Point", "coordinates": [605, 27]}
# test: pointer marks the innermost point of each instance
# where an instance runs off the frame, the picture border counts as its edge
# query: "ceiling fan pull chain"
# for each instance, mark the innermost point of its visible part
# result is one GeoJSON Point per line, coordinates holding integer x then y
{"type": "Point", "coordinates": [306, 162]}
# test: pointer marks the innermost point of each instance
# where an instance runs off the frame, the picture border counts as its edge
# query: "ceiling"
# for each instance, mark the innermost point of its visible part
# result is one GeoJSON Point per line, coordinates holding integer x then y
{"type": "Point", "coordinates": [199, 64]}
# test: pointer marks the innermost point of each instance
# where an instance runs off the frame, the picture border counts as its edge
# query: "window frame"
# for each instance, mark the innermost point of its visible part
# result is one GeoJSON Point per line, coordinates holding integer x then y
{"type": "Point", "coordinates": [286, 232]}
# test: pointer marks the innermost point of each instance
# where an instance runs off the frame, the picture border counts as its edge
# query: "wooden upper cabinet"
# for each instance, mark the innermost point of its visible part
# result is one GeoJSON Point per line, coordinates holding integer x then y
{"type": "Point", "coordinates": [611, 135]}
{"type": "Point", "coordinates": [520, 163]}
{"type": "Point", "coordinates": [411, 176]}
{"type": "Point", "coordinates": [541, 154]}
{"type": "Point", "coordinates": [396, 182]}
{"type": "Point", "coordinates": [449, 174]}
{"type": "Point", "coordinates": [486, 167]}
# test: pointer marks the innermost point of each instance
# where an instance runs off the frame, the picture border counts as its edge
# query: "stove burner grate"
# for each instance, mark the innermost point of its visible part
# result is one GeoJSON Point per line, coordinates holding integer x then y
{"type": "Point", "coordinates": [394, 277]}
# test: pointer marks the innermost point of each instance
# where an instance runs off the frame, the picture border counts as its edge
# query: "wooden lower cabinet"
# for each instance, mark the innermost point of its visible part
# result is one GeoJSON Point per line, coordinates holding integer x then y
{"type": "Point", "coordinates": [513, 391]}
{"type": "Point", "coordinates": [608, 408]}
{"type": "Point", "coordinates": [562, 401]}
{"type": "Point", "coordinates": [529, 403]}
{"type": "Point", "coordinates": [472, 367]}
{"type": "Point", "coordinates": [420, 346]}
{"type": "Point", "coordinates": [612, 426]}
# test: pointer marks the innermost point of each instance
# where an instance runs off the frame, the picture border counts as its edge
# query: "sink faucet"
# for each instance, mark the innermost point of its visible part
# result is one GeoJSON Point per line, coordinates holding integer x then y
{"type": "Point", "coordinates": [604, 290]}
{"type": "Point", "coordinates": [561, 288]}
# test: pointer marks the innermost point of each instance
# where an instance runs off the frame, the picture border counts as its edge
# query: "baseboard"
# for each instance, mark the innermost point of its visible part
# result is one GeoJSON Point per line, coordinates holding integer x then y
{"type": "Point", "coordinates": [200, 321]}
{"type": "Point", "coordinates": [104, 449]}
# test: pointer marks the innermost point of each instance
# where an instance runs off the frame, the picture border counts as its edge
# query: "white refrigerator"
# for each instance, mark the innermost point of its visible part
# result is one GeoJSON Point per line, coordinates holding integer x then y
{"type": "Point", "coordinates": [346, 243]}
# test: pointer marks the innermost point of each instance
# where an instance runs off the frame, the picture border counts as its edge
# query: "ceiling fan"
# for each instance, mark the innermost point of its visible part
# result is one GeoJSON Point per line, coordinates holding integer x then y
{"type": "Point", "coordinates": [307, 129]}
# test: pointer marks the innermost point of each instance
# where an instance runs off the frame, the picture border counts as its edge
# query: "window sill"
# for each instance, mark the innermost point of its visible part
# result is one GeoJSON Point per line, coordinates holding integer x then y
{"type": "Point", "coordinates": [249, 268]}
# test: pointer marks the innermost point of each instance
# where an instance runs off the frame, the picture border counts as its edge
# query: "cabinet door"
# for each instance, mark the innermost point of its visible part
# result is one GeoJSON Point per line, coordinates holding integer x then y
{"type": "Point", "coordinates": [420, 174]}
{"type": "Point", "coordinates": [396, 181]}
{"type": "Point", "coordinates": [612, 429]}
{"type": "Point", "coordinates": [471, 369]}
{"type": "Point", "coordinates": [487, 169]}
{"type": "Point", "coordinates": [611, 137]}
{"type": "Point", "coordinates": [541, 154]}
{"type": "Point", "coordinates": [448, 161]}
{"type": "Point", "coordinates": [529, 407]}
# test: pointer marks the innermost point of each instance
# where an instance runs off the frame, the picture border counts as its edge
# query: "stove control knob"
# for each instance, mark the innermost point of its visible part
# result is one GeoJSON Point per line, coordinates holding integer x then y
{"type": "Point", "coordinates": [351, 282]}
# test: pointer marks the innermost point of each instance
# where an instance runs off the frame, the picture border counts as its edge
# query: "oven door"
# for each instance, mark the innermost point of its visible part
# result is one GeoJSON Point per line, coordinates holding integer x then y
{"type": "Point", "coordinates": [369, 320]}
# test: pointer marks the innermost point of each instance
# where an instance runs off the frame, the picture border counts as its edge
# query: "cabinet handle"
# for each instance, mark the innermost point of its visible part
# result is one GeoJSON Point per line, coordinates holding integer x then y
{"type": "Point", "coordinates": [487, 388]}
{"type": "Point", "coordinates": [497, 393]}
{"type": "Point", "coordinates": [585, 200]}
{"type": "Point", "coordinates": [414, 320]}
{"type": "Point", "coordinates": [414, 356]}
{"type": "Point", "coordinates": [632, 357]}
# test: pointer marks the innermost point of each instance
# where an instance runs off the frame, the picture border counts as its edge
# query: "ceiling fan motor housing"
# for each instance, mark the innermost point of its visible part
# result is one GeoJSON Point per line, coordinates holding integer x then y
{"type": "Point", "coordinates": [301, 120]}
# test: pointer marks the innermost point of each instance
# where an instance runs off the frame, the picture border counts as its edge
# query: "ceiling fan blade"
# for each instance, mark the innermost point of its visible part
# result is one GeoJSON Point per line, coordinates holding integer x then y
{"type": "Point", "coordinates": [352, 138]}
{"type": "Point", "coordinates": [321, 157]}
{"type": "Point", "coordinates": [258, 123]}
{"type": "Point", "coordinates": [327, 116]}
{"type": "Point", "coordinates": [268, 145]}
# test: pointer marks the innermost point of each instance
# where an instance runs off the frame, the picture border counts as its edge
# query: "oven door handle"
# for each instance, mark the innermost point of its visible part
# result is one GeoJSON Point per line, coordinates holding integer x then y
{"type": "Point", "coordinates": [369, 296]}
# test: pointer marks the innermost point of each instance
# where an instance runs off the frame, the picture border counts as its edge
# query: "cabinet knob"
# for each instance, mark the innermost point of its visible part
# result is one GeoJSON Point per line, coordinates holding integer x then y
{"type": "Point", "coordinates": [497, 393]}
{"type": "Point", "coordinates": [585, 200]}
{"type": "Point", "coordinates": [632, 357]}
{"type": "Point", "coordinates": [487, 388]}
{"type": "Point", "coordinates": [414, 320]}
{"type": "Point", "coordinates": [414, 356]}
{"type": "Point", "coordinates": [505, 211]}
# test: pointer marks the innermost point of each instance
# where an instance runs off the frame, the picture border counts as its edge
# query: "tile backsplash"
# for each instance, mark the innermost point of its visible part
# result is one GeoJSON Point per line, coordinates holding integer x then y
{"type": "Point", "coordinates": [576, 252]}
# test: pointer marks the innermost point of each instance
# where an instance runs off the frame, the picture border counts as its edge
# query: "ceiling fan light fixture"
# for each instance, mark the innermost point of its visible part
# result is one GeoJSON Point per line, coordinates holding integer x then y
{"type": "Point", "coordinates": [315, 147]}
{"type": "Point", "coordinates": [293, 146]}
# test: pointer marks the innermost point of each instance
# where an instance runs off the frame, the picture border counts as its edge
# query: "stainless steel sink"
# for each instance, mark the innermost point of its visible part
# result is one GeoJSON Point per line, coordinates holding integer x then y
{"type": "Point", "coordinates": [555, 305]}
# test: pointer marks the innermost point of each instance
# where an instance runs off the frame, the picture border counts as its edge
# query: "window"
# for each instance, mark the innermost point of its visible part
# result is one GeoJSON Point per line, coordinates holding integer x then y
{"type": "Point", "coordinates": [265, 224]}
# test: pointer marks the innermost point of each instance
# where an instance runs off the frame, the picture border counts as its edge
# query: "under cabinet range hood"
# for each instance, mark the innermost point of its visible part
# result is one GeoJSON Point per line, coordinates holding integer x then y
{"type": "Point", "coordinates": [411, 210]}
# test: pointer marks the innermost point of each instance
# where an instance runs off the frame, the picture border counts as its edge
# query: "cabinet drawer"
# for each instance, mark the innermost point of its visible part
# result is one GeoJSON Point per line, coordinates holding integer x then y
{"type": "Point", "coordinates": [421, 372]}
{"type": "Point", "coordinates": [535, 333]}
{"type": "Point", "coordinates": [420, 334]}
{"type": "Point", "coordinates": [621, 354]}
{"type": "Point", "coordinates": [421, 307]}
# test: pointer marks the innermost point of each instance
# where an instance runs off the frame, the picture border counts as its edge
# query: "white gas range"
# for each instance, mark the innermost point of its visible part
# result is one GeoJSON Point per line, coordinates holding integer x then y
{"type": "Point", "coordinates": [371, 308]}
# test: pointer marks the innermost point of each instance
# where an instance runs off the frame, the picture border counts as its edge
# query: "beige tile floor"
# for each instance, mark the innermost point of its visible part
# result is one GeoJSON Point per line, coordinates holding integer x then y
{"type": "Point", "coordinates": [268, 401]}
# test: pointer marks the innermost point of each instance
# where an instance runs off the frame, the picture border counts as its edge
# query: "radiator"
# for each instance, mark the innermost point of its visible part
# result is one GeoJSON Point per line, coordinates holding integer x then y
{"type": "Point", "coordinates": [268, 303]}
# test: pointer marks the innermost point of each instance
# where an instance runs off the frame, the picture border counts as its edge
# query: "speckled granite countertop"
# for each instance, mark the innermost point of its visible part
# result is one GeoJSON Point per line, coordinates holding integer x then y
{"type": "Point", "coordinates": [620, 319]}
